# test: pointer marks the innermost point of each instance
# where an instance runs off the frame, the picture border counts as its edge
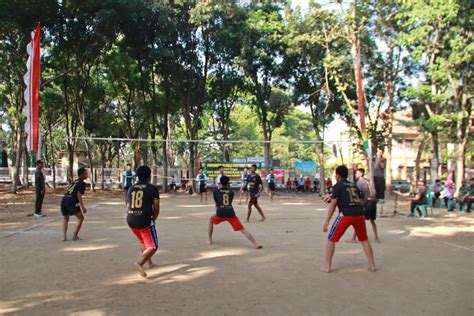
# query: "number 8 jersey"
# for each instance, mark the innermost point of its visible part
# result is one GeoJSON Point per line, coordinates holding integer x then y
{"type": "Point", "coordinates": [140, 204]}
{"type": "Point", "coordinates": [349, 199]}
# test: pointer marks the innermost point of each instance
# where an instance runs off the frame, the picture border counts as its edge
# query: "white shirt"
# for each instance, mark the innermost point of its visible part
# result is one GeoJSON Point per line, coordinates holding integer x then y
{"type": "Point", "coordinates": [198, 180]}
{"type": "Point", "coordinates": [269, 178]}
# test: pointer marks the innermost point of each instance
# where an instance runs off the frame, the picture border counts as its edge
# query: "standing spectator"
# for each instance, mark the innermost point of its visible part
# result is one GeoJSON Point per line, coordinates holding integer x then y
{"type": "Point", "coordinates": [40, 189]}
{"type": "Point", "coordinates": [295, 184]}
{"type": "Point", "coordinates": [201, 181]}
{"type": "Point", "coordinates": [316, 186]}
{"type": "Point", "coordinates": [173, 184]}
{"type": "Point", "coordinates": [128, 180]}
{"type": "Point", "coordinates": [437, 188]}
{"type": "Point", "coordinates": [379, 175]}
{"type": "Point", "coordinates": [419, 199]}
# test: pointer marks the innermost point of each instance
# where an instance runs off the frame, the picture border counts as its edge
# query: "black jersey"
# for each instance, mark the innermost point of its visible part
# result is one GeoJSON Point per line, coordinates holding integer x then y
{"type": "Point", "coordinates": [223, 199]}
{"type": "Point", "coordinates": [70, 197]}
{"type": "Point", "coordinates": [349, 198]}
{"type": "Point", "coordinates": [254, 182]}
{"type": "Point", "coordinates": [140, 204]}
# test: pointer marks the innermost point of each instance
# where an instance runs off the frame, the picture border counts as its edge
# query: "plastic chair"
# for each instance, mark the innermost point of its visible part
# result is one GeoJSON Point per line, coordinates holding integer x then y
{"type": "Point", "coordinates": [427, 206]}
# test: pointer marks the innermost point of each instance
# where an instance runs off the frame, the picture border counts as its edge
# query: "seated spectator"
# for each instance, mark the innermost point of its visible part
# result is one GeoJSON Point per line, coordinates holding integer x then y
{"type": "Point", "coordinates": [419, 199]}
{"type": "Point", "coordinates": [295, 184]}
{"type": "Point", "coordinates": [301, 184]}
{"type": "Point", "coordinates": [448, 194]}
{"type": "Point", "coordinates": [307, 184]}
{"type": "Point", "coordinates": [468, 196]}
{"type": "Point", "coordinates": [437, 188]}
{"type": "Point", "coordinates": [329, 186]}
{"type": "Point", "coordinates": [316, 186]}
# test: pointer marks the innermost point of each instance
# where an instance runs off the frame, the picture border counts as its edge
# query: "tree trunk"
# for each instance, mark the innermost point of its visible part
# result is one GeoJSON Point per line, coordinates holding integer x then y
{"type": "Point", "coordinates": [25, 166]}
{"type": "Point", "coordinates": [388, 167]}
{"type": "Point", "coordinates": [53, 165]}
{"type": "Point", "coordinates": [19, 151]}
{"type": "Point", "coordinates": [70, 169]}
{"type": "Point", "coordinates": [435, 157]}
{"type": "Point", "coordinates": [91, 166]}
{"type": "Point", "coordinates": [416, 174]}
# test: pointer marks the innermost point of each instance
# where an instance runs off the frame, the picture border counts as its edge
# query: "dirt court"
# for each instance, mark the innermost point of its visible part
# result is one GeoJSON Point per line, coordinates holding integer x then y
{"type": "Point", "coordinates": [425, 266]}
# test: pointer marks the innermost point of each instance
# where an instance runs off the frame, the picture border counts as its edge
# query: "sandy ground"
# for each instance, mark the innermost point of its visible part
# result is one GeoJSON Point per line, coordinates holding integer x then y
{"type": "Point", "coordinates": [425, 265]}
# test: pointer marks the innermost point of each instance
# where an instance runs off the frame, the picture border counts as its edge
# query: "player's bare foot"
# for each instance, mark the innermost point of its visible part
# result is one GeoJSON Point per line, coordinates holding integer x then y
{"type": "Point", "coordinates": [377, 241]}
{"type": "Point", "coordinates": [372, 269]}
{"type": "Point", "coordinates": [64, 239]}
{"type": "Point", "coordinates": [325, 270]}
{"type": "Point", "coordinates": [76, 238]}
{"type": "Point", "coordinates": [351, 241]}
{"type": "Point", "coordinates": [151, 266]}
{"type": "Point", "coordinates": [140, 269]}
{"type": "Point", "coordinates": [258, 247]}
{"type": "Point", "coordinates": [263, 219]}
{"type": "Point", "coordinates": [209, 242]}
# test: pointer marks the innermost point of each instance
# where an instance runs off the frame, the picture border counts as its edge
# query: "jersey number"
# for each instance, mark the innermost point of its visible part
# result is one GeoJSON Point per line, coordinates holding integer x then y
{"type": "Point", "coordinates": [225, 199]}
{"type": "Point", "coordinates": [137, 199]}
{"type": "Point", "coordinates": [354, 196]}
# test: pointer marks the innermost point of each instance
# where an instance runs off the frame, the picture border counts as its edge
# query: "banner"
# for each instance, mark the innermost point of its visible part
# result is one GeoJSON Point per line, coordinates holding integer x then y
{"type": "Point", "coordinates": [232, 170]}
{"type": "Point", "coordinates": [279, 173]}
{"type": "Point", "coordinates": [305, 167]}
{"type": "Point", "coordinates": [32, 81]}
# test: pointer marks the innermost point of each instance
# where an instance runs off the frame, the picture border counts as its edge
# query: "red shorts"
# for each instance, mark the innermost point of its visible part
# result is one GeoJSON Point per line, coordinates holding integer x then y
{"type": "Point", "coordinates": [147, 236]}
{"type": "Point", "coordinates": [341, 224]}
{"type": "Point", "coordinates": [233, 221]}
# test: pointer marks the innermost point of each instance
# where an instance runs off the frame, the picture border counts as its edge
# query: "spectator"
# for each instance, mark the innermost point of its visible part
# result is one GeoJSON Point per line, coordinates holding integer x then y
{"type": "Point", "coordinates": [329, 186]}
{"type": "Point", "coordinates": [295, 184]}
{"type": "Point", "coordinates": [419, 199]}
{"type": "Point", "coordinates": [307, 184]}
{"type": "Point", "coordinates": [437, 188]}
{"type": "Point", "coordinates": [468, 197]}
{"type": "Point", "coordinates": [40, 189]}
{"type": "Point", "coordinates": [448, 195]}
{"type": "Point", "coordinates": [379, 175]}
{"type": "Point", "coordinates": [301, 184]}
{"type": "Point", "coordinates": [173, 184]}
{"type": "Point", "coordinates": [288, 185]}
{"type": "Point", "coordinates": [315, 185]}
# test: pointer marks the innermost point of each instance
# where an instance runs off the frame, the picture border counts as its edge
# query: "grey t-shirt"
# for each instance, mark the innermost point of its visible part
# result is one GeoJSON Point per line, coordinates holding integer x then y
{"type": "Point", "coordinates": [378, 170]}
{"type": "Point", "coordinates": [363, 186]}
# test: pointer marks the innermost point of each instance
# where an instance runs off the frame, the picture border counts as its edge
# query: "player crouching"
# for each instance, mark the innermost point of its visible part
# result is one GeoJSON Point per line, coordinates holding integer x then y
{"type": "Point", "coordinates": [225, 212]}
{"type": "Point", "coordinates": [143, 202]}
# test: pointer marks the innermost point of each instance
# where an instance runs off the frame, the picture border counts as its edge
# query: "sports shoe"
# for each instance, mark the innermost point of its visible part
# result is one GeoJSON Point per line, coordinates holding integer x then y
{"type": "Point", "coordinates": [39, 215]}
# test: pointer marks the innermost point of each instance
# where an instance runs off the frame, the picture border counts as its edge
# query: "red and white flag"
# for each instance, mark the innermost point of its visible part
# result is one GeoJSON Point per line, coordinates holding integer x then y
{"type": "Point", "coordinates": [32, 81]}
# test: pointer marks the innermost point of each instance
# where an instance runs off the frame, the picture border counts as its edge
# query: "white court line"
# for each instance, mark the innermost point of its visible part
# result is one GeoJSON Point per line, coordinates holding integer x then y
{"type": "Point", "coordinates": [29, 228]}
{"type": "Point", "coordinates": [457, 246]}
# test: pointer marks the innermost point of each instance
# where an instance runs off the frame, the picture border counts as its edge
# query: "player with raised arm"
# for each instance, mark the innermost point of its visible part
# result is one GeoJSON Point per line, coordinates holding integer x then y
{"type": "Point", "coordinates": [225, 212]}
{"type": "Point", "coordinates": [346, 196]}
{"type": "Point", "coordinates": [143, 202]}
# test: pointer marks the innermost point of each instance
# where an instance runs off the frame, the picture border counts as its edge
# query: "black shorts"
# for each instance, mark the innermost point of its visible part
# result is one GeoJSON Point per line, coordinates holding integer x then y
{"type": "Point", "coordinates": [379, 183]}
{"type": "Point", "coordinates": [253, 199]}
{"type": "Point", "coordinates": [202, 188]}
{"type": "Point", "coordinates": [271, 186]}
{"type": "Point", "coordinates": [126, 189]}
{"type": "Point", "coordinates": [70, 210]}
{"type": "Point", "coordinates": [371, 210]}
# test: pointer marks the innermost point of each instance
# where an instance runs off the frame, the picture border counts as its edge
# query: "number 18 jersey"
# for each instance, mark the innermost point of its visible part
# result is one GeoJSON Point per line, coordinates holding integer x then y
{"type": "Point", "coordinates": [349, 199]}
{"type": "Point", "coordinates": [140, 204]}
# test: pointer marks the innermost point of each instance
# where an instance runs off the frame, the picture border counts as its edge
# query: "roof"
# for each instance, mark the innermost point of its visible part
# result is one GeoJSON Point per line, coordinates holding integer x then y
{"type": "Point", "coordinates": [400, 119]}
